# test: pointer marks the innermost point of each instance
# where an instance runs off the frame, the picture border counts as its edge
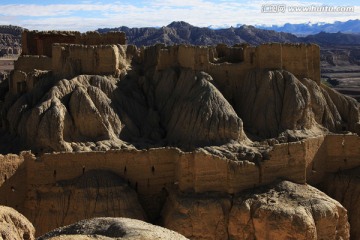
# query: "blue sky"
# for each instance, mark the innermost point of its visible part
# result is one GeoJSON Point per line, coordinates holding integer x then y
{"type": "Point", "coordinates": [90, 15]}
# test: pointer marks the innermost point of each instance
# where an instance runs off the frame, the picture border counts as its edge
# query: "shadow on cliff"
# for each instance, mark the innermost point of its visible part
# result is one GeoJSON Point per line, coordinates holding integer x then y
{"type": "Point", "coordinates": [175, 107]}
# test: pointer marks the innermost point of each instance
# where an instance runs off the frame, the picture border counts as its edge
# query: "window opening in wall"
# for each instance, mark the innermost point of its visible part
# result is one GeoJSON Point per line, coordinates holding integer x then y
{"type": "Point", "coordinates": [21, 87]}
{"type": "Point", "coordinates": [289, 149]}
{"type": "Point", "coordinates": [252, 55]}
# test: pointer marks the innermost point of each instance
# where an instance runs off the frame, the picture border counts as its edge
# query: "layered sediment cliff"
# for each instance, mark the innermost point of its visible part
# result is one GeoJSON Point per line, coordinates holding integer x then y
{"type": "Point", "coordinates": [182, 96]}
{"type": "Point", "coordinates": [175, 135]}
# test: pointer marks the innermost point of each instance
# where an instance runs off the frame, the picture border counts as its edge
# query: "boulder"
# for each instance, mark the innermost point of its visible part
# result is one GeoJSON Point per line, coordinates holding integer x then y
{"type": "Point", "coordinates": [14, 226]}
{"type": "Point", "coordinates": [111, 228]}
{"type": "Point", "coordinates": [280, 211]}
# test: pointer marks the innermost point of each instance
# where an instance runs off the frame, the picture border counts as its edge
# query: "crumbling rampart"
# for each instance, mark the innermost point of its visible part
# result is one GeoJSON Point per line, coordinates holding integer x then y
{"type": "Point", "coordinates": [228, 65]}
{"type": "Point", "coordinates": [68, 54]}
{"type": "Point", "coordinates": [40, 43]}
{"type": "Point", "coordinates": [149, 172]}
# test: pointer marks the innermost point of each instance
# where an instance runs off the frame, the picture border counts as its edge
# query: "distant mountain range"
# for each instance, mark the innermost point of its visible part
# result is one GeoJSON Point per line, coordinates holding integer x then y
{"type": "Point", "coordinates": [182, 32]}
{"type": "Point", "coordinates": [185, 33]}
{"type": "Point", "coordinates": [303, 29]}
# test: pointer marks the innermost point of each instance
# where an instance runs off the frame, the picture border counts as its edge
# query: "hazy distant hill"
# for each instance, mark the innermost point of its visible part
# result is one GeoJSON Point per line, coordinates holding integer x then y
{"type": "Point", "coordinates": [12, 30]}
{"type": "Point", "coordinates": [339, 38]}
{"type": "Point", "coordinates": [351, 26]}
{"type": "Point", "coordinates": [182, 32]}
{"type": "Point", "coordinates": [10, 40]}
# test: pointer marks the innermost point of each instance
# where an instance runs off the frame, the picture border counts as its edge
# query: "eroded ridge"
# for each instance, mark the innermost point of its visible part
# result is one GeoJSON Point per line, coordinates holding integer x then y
{"type": "Point", "coordinates": [109, 121]}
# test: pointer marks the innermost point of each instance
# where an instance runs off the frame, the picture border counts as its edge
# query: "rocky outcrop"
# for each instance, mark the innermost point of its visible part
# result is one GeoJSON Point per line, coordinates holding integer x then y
{"type": "Point", "coordinates": [12, 30]}
{"type": "Point", "coordinates": [88, 112]}
{"type": "Point", "coordinates": [14, 226]}
{"type": "Point", "coordinates": [181, 106]}
{"type": "Point", "coordinates": [288, 210]}
{"type": "Point", "coordinates": [111, 228]}
{"type": "Point", "coordinates": [280, 211]}
{"type": "Point", "coordinates": [272, 103]}
{"type": "Point", "coordinates": [344, 186]}
{"type": "Point", "coordinates": [176, 106]}
{"type": "Point", "coordinates": [195, 112]}
{"type": "Point", "coordinates": [55, 116]}
{"type": "Point", "coordinates": [10, 40]}
{"type": "Point", "coordinates": [198, 216]}
{"type": "Point", "coordinates": [348, 109]}
{"type": "Point", "coordinates": [5, 51]}
{"type": "Point", "coordinates": [96, 193]}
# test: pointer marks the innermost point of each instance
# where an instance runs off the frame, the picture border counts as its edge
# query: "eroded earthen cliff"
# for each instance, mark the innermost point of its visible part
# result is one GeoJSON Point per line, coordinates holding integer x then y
{"type": "Point", "coordinates": [281, 211]}
{"type": "Point", "coordinates": [179, 96]}
{"type": "Point", "coordinates": [126, 129]}
{"type": "Point", "coordinates": [344, 186]}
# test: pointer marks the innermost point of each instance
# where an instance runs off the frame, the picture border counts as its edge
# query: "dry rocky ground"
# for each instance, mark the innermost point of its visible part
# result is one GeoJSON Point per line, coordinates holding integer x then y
{"type": "Point", "coordinates": [340, 67]}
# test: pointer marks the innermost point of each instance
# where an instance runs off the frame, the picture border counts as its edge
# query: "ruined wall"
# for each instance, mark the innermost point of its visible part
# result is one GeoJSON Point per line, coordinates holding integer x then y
{"type": "Point", "coordinates": [29, 63]}
{"type": "Point", "coordinates": [9, 164]}
{"type": "Point", "coordinates": [40, 43]}
{"type": "Point", "coordinates": [342, 152]}
{"type": "Point", "coordinates": [303, 60]}
{"type": "Point", "coordinates": [17, 83]}
{"type": "Point", "coordinates": [33, 184]}
{"type": "Point", "coordinates": [92, 54]}
{"type": "Point", "coordinates": [21, 81]}
{"type": "Point", "coordinates": [147, 172]}
{"type": "Point", "coordinates": [202, 172]}
{"type": "Point", "coordinates": [195, 171]}
{"type": "Point", "coordinates": [157, 167]}
{"type": "Point", "coordinates": [95, 38]}
{"type": "Point", "coordinates": [198, 171]}
{"type": "Point", "coordinates": [73, 60]}
{"type": "Point", "coordinates": [13, 180]}
{"type": "Point", "coordinates": [229, 65]}
{"type": "Point", "coordinates": [25, 64]}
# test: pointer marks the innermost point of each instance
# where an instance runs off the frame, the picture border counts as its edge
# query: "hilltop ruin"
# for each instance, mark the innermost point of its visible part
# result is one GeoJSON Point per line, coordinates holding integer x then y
{"type": "Point", "coordinates": [164, 124]}
{"type": "Point", "coordinates": [106, 54]}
